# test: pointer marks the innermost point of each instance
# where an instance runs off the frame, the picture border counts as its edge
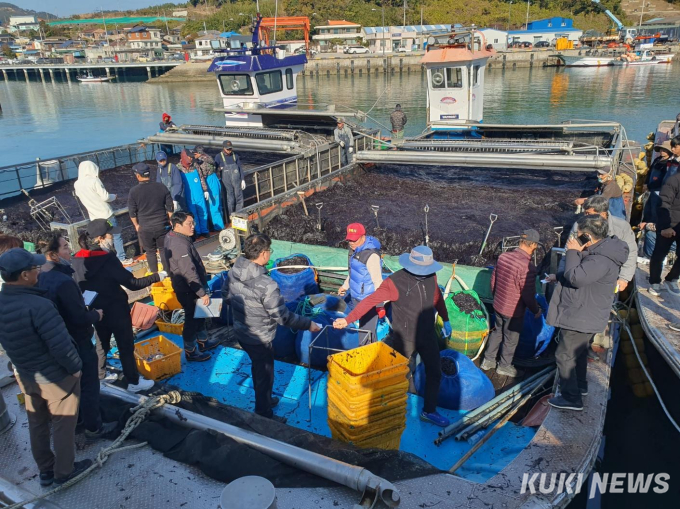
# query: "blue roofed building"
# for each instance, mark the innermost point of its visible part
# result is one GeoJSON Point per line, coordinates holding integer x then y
{"type": "Point", "coordinates": [548, 30]}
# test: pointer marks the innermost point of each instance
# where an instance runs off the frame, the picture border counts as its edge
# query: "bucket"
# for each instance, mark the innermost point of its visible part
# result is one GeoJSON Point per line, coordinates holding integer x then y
{"type": "Point", "coordinates": [250, 492]}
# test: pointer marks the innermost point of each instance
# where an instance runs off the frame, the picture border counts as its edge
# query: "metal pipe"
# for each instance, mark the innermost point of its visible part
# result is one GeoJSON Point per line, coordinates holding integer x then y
{"type": "Point", "coordinates": [487, 407]}
{"type": "Point", "coordinates": [487, 160]}
{"type": "Point", "coordinates": [216, 141]}
{"type": "Point", "coordinates": [356, 478]}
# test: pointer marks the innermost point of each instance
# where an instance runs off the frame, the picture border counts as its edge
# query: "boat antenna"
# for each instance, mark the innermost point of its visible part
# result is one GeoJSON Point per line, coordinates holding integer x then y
{"type": "Point", "coordinates": [276, 14]}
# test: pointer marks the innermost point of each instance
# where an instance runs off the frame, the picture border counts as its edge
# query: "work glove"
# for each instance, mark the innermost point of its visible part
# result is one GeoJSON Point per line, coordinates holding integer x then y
{"type": "Point", "coordinates": [243, 185]}
{"type": "Point", "coordinates": [342, 144]}
{"type": "Point", "coordinates": [175, 204]}
{"type": "Point", "coordinates": [447, 329]}
{"type": "Point", "coordinates": [162, 275]}
{"type": "Point", "coordinates": [206, 195]}
{"type": "Point", "coordinates": [381, 311]}
{"type": "Point", "coordinates": [351, 150]}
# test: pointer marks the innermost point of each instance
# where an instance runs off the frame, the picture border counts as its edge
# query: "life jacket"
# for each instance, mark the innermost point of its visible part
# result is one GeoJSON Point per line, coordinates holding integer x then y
{"type": "Point", "coordinates": [360, 282]}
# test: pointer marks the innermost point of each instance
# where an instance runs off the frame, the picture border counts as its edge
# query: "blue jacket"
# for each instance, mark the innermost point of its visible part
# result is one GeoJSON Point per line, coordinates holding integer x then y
{"type": "Point", "coordinates": [171, 177]}
{"type": "Point", "coordinates": [360, 282]}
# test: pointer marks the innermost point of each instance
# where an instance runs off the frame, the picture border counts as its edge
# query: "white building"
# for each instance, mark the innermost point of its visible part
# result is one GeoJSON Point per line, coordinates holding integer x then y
{"type": "Point", "coordinates": [21, 23]}
{"type": "Point", "coordinates": [145, 39]}
{"type": "Point", "coordinates": [400, 38]}
{"type": "Point", "coordinates": [343, 30]}
{"type": "Point", "coordinates": [497, 38]}
{"type": "Point", "coordinates": [548, 30]}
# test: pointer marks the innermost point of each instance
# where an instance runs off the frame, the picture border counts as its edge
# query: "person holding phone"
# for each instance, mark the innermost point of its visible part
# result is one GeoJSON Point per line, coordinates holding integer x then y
{"type": "Point", "coordinates": [581, 303]}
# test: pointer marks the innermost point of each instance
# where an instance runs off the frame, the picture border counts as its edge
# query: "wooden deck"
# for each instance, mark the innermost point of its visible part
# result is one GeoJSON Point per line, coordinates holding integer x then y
{"type": "Point", "coordinates": [655, 315]}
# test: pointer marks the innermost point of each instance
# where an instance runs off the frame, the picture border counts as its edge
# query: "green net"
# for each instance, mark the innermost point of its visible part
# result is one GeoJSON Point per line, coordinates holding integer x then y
{"type": "Point", "coordinates": [468, 328]}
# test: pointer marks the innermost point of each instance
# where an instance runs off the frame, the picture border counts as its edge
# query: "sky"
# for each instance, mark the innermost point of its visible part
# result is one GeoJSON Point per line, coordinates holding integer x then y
{"type": "Point", "coordinates": [65, 8]}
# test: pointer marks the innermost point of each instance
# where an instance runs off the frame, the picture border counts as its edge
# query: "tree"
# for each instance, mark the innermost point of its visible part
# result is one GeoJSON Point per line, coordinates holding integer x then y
{"type": "Point", "coordinates": [7, 51]}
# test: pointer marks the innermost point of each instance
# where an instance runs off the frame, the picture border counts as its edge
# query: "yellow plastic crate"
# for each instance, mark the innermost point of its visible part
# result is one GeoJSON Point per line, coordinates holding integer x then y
{"type": "Point", "coordinates": [351, 432]}
{"type": "Point", "coordinates": [387, 440]}
{"type": "Point", "coordinates": [170, 328]}
{"type": "Point", "coordinates": [158, 358]}
{"type": "Point", "coordinates": [366, 404]}
{"type": "Point", "coordinates": [369, 417]}
{"type": "Point", "coordinates": [367, 368]}
{"type": "Point", "coordinates": [164, 296]}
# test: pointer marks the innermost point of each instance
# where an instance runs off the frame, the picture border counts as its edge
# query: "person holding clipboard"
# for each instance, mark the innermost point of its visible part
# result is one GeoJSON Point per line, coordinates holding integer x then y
{"type": "Point", "coordinates": [190, 282]}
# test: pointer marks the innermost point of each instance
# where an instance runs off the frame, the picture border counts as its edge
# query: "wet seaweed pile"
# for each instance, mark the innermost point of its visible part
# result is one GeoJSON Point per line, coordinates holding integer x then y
{"type": "Point", "coordinates": [466, 303]}
{"type": "Point", "coordinates": [460, 202]}
{"type": "Point", "coordinates": [449, 367]}
{"type": "Point", "coordinates": [292, 262]}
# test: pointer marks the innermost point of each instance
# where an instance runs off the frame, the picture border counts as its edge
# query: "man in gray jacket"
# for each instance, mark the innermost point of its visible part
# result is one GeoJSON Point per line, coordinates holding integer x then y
{"type": "Point", "coordinates": [190, 282]}
{"type": "Point", "coordinates": [47, 365]}
{"type": "Point", "coordinates": [343, 135]}
{"type": "Point", "coordinates": [581, 303]}
{"type": "Point", "coordinates": [618, 228]}
{"type": "Point", "coordinates": [258, 309]}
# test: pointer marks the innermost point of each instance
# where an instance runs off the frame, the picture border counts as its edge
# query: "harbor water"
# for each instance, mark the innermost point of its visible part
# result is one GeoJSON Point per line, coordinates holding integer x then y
{"type": "Point", "coordinates": [53, 119]}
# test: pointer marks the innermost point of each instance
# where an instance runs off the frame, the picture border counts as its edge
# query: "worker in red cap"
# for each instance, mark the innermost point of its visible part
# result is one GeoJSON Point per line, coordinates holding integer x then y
{"type": "Point", "coordinates": [365, 273]}
{"type": "Point", "coordinates": [165, 125]}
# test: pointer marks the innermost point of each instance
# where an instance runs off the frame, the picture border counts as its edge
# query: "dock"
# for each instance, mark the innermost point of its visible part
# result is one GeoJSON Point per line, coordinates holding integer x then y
{"type": "Point", "coordinates": [68, 72]}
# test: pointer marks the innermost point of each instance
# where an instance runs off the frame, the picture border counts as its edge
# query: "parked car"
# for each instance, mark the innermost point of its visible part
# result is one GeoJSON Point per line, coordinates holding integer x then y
{"type": "Point", "coordinates": [108, 60]}
{"type": "Point", "coordinates": [354, 50]}
{"type": "Point", "coordinates": [402, 49]}
{"type": "Point", "coordinates": [522, 45]}
{"type": "Point", "coordinates": [542, 44]}
{"type": "Point", "coordinates": [302, 51]}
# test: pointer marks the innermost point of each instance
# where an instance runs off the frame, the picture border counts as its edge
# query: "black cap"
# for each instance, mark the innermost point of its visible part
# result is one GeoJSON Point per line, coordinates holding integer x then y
{"type": "Point", "coordinates": [226, 144]}
{"type": "Point", "coordinates": [531, 236]}
{"type": "Point", "coordinates": [142, 169]}
{"type": "Point", "coordinates": [18, 259]}
{"type": "Point", "coordinates": [100, 227]}
{"type": "Point", "coordinates": [199, 149]}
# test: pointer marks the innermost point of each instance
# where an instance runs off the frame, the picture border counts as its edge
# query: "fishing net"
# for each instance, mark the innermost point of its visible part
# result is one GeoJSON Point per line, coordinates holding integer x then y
{"type": "Point", "coordinates": [469, 322]}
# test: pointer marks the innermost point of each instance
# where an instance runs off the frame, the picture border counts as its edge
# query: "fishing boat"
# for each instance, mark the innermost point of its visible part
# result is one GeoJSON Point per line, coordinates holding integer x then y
{"type": "Point", "coordinates": [90, 78]}
{"type": "Point", "coordinates": [593, 59]}
{"type": "Point", "coordinates": [427, 466]}
{"type": "Point", "coordinates": [644, 54]}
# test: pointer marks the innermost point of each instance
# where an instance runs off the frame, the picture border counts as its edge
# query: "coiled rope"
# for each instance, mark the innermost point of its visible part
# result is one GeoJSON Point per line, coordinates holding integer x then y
{"type": "Point", "coordinates": [139, 415]}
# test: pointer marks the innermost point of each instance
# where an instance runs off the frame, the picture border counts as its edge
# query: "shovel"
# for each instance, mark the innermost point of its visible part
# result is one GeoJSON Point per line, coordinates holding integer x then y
{"type": "Point", "coordinates": [492, 218]}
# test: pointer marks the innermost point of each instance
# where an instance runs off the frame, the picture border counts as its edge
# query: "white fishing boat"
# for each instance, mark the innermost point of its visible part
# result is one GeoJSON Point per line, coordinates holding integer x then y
{"type": "Point", "coordinates": [597, 60]}
{"type": "Point", "coordinates": [89, 78]}
{"type": "Point", "coordinates": [643, 56]}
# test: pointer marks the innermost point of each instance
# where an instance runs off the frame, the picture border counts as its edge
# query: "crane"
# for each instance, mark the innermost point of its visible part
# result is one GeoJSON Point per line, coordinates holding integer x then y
{"type": "Point", "coordinates": [624, 33]}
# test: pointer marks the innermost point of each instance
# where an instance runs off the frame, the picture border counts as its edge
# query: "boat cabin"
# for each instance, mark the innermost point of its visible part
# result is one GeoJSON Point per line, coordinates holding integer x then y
{"type": "Point", "coordinates": [455, 78]}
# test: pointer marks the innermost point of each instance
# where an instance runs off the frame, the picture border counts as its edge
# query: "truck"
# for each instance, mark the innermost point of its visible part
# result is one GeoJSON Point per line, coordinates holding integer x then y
{"type": "Point", "coordinates": [625, 35]}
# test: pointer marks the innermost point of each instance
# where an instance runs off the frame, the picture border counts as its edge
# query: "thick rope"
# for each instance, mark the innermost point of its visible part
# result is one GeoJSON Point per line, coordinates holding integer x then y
{"type": "Point", "coordinates": [139, 415]}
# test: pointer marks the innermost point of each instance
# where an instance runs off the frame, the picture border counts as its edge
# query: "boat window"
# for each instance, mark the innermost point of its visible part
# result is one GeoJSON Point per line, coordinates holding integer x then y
{"type": "Point", "coordinates": [236, 84]}
{"type": "Point", "coordinates": [289, 79]}
{"type": "Point", "coordinates": [438, 78]}
{"type": "Point", "coordinates": [269, 82]}
{"type": "Point", "coordinates": [454, 77]}
{"type": "Point", "coordinates": [475, 74]}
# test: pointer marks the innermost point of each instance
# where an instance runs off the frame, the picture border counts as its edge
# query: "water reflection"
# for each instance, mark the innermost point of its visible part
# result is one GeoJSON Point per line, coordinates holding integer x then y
{"type": "Point", "coordinates": [48, 119]}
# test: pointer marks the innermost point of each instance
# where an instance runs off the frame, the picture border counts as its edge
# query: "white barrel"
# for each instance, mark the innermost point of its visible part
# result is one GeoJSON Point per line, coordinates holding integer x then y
{"type": "Point", "coordinates": [250, 492]}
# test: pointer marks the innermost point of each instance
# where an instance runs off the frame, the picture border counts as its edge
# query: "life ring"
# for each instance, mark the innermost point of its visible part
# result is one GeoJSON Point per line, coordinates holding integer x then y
{"type": "Point", "coordinates": [437, 78]}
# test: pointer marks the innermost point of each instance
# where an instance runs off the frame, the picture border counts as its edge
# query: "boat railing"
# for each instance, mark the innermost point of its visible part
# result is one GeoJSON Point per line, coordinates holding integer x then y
{"type": "Point", "coordinates": [41, 174]}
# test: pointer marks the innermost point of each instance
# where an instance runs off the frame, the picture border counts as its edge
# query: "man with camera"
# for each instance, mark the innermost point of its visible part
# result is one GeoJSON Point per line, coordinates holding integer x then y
{"type": "Point", "coordinates": [581, 303]}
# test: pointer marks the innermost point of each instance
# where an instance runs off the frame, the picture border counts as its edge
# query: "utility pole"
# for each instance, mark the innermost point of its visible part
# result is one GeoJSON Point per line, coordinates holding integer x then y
{"type": "Point", "coordinates": [642, 12]}
{"type": "Point", "coordinates": [167, 28]}
{"type": "Point", "coordinates": [106, 32]}
{"type": "Point", "coordinates": [527, 26]}
{"type": "Point", "coordinates": [421, 15]}
{"type": "Point", "coordinates": [404, 12]}
{"type": "Point", "coordinates": [383, 27]}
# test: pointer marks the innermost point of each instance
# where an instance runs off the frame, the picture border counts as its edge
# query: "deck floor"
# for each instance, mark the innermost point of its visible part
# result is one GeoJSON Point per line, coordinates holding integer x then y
{"type": "Point", "coordinates": [227, 378]}
{"type": "Point", "coordinates": [655, 315]}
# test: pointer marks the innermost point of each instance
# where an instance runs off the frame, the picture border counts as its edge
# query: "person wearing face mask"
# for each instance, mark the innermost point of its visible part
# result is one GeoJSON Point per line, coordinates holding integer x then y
{"type": "Point", "coordinates": [97, 270]}
{"type": "Point", "coordinates": [609, 189]}
{"type": "Point", "coordinates": [56, 278]}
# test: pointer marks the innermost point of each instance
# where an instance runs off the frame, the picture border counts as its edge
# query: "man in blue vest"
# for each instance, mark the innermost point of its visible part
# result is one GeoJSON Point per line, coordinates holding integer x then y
{"type": "Point", "coordinates": [229, 168]}
{"type": "Point", "coordinates": [365, 273]}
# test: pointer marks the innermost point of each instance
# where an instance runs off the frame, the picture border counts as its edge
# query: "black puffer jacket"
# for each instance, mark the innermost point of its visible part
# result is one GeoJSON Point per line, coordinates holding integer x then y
{"type": "Point", "coordinates": [669, 210]}
{"type": "Point", "coordinates": [35, 337]}
{"type": "Point", "coordinates": [583, 297]}
{"type": "Point", "coordinates": [100, 271]}
{"type": "Point", "coordinates": [257, 304]}
{"type": "Point", "coordinates": [57, 280]}
{"type": "Point", "coordinates": [185, 266]}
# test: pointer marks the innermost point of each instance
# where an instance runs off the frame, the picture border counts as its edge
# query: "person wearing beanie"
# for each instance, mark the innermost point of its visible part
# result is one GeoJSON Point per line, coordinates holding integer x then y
{"type": "Point", "coordinates": [170, 176]}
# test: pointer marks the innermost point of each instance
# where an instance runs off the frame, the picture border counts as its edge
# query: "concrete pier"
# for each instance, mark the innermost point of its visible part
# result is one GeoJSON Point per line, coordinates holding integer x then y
{"type": "Point", "coordinates": [42, 75]}
{"type": "Point", "coordinates": [68, 75]}
{"type": "Point", "coordinates": [51, 74]}
{"type": "Point", "coordinates": [26, 74]}
{"type": "Point", "coordinates": [108, 72]}
{"type": "Point", "coordinates": [4, 74]}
